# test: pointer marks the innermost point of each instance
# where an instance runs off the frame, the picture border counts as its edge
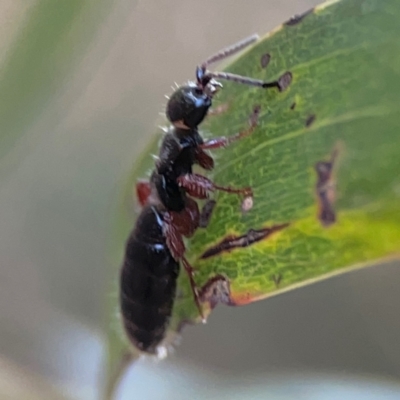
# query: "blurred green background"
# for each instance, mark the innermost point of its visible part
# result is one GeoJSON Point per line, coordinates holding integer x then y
{"type": "Point", "coordinates": [81, 86]}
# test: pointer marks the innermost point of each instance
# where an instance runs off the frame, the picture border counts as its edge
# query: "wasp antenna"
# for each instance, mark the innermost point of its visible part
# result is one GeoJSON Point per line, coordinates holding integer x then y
{"type": "Point", "coordinates": [238, 78]}
{"type": "Point", "coordinates": [230, 50]}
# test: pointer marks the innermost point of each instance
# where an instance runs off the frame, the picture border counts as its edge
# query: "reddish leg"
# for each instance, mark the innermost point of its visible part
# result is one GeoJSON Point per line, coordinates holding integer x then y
{"type": "Point", "coordinates": [199, 186]}
{"type": "Point", "coordinates": [190, 271]}
{"type": "Point", "coordinates": [143, 191]}
{"type": "Point", "coordinates": [204, 160]}
{"type": "Point", "coordinates": [173, 238]}
{"type": "Point", "coordinates": [177, 225]}
{"type": "Point", "coordinates": [223, 141]}
{"type": "Point", "coordinates": [185, 221]}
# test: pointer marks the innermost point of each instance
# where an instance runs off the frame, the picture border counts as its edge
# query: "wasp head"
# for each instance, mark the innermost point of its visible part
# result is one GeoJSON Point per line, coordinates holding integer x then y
{"type": "Point", "coordinates": [188, 105]}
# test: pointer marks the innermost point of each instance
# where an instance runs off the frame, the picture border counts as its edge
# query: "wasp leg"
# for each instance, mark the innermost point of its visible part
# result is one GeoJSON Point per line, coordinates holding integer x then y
{"type": "Point", "coordinates": [143, 191]}
{"type": "Point", "coordinates": [177, 225]}
{"type": "Point", "coordinates": [224, 141]}
{"type": "Point", "coordinates": [185, 222]}
{"type": "Point", "coordinates": [173, 237]}
{"type": "Point", "coordinates": [199, 186]}
{"type": "Point", "coordinates": [190, 272]}
{"type": "Point", "coordinates": [204, 160]}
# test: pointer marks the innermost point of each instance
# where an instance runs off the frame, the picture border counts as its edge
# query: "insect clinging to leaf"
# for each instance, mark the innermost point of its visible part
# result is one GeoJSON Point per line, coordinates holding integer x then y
{"type": "Point", "coordinates": [156, 247]}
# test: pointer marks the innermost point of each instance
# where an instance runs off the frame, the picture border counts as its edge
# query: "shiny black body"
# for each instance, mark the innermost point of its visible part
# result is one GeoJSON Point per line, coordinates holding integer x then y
{"type": "Point", "coordinates": [149, 272]}
{"type": "Point", "coordinates": [148, 282]}
{"type": "Point", "coordinates": [176, 158]}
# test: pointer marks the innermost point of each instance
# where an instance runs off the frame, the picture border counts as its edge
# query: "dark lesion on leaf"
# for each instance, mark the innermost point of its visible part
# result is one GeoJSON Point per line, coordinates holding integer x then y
{"type": "Point", "coordinates": [206, 213]}
{"type": "Point", "coordinates": [232, 242]}
{"type": "Point", "coordinates": [277, 279]}
{"type": "Point", "coordinates": [216, 290]}
{"type": "Point", "coordinates": [326, 189]}
{"type": "Point", "coordinates": [282, 83]}
{"type": "Point", "coordinates": [293, 105]}
{"type": "Point", "coordinates": [285, 80]}
{"type": "Point", "coordinates": [310, 120]}
{"type": "Point", "coordinates": [298, 18]}
{"type": "Point", "coordinates": [265, 59]}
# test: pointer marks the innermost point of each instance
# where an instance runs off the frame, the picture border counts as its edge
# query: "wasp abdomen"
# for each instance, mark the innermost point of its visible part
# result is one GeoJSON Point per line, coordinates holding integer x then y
{"type": "Point", "coordinates": [148, 282]}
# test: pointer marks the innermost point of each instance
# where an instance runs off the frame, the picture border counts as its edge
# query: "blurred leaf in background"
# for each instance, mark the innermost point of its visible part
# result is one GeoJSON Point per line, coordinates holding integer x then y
{"type": "Point", "coordinates": [47, 52]}
{"type": "Point", "coordinates": [40, 58]}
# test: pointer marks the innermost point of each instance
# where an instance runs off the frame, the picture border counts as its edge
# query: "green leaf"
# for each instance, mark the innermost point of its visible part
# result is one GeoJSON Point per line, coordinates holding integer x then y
{"type": "Point", "coordinates": [341, 106]}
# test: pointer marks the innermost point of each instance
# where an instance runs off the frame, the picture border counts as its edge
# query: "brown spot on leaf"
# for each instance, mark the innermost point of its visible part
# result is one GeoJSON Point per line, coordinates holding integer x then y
{"type": "Point", "coordinates": [293, 106]}
{"type": "Point", "coordinates": [206, 213]}
{"type": "Point", "coordinates": [325, 189]}
{"type": "Point", "coordinates": [310, 120]}
{"type": "Point", "coordinates": [216, 290]}
{"type": "Point", "coordinates": [277, 278]}
{"type": "Point", "coordinates": [255, 115]}
{"type": "Point", "coordinates": [298, 18]}
{"type": "Point", "coordinates": [233, 242]}
{"type": "Point", "coordinates": [265, 59]}
{"type": "Point", "coordinates": [284, 81]}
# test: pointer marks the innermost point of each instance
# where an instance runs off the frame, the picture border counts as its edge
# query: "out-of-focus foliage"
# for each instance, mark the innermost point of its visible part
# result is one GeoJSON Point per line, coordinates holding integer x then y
{"type": "Point", "coordinates": [40, 59]}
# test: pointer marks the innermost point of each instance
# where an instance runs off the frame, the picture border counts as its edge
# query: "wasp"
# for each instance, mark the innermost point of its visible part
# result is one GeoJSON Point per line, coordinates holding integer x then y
{"type": "Point", "coordinates": [155, 248]}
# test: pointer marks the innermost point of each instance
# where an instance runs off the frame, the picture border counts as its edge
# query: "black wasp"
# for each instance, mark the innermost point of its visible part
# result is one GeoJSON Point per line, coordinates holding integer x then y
{"type": "Point", "coordinates": [155, 247]}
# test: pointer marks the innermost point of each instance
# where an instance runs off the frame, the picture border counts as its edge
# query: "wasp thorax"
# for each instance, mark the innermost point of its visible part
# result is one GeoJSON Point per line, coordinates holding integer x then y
{"type": "Point", "coordinates": [188, 106]}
